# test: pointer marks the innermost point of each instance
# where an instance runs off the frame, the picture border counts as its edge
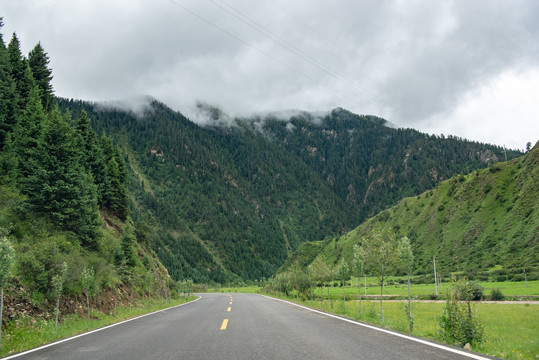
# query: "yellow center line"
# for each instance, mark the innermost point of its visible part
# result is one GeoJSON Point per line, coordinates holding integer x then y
{"type": "Point", "coordinates": [224, 325]}
{"type": "Point", "coordinates": [228, 309]}
{"type": "Point", "coordinates": [230, 303]}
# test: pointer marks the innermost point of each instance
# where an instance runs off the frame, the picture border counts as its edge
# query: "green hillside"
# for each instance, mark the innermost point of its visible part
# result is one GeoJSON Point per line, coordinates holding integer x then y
{"type": "Point", "coordinates": [65, 227]}
{"type": "Point", "coordinates": [486, 220]}
{"type": "Point", "coordinates": [235, 197]}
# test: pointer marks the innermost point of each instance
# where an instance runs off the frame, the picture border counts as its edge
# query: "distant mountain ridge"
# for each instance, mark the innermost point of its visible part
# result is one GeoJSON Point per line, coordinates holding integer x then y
{"type": "Point", "coordinates": [236, 197]}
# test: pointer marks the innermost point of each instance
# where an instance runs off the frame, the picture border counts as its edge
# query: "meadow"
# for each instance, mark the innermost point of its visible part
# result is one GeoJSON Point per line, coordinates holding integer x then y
{"type": "Point", "coordinates": [508, 288]}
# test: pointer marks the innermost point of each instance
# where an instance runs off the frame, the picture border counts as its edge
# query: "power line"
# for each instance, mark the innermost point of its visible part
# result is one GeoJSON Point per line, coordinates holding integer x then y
{"type": "Point", "coordinates": [257, 49]}
{"type": "Point", "coordinates": [295, 50]}
{"type": "Point", "coordinates": [285, 44]}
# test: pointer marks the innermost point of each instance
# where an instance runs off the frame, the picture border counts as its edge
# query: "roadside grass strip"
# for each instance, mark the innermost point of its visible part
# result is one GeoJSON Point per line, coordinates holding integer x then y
{"type": "Point", "coordinates": [94, 331]}
{"type": "Point", "coordinates": [421, 341]}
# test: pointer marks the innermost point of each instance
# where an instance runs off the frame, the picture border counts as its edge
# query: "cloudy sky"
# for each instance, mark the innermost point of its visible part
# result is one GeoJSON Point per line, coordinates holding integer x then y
{"type": "Point", "coordinates": [467, 68]}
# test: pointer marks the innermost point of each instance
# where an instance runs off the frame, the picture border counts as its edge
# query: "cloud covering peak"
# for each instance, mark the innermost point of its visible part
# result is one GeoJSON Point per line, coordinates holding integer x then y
{"type": "Point", "coordinates": [435, 66]}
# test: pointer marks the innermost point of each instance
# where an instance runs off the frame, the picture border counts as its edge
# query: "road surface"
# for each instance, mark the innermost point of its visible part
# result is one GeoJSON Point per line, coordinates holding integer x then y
{"type": "Point", "coordinates": [239, 326]}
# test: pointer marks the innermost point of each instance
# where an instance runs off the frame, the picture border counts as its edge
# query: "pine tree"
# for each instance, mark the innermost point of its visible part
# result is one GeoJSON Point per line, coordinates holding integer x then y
{"type": "Point", "coordinates": [59, 186]}
{"type": "Point", "coordinates": [8, 163]}
{"type": "Point", "coordinates": [92, 154]}
{"type": "Point", "coordinates": [8, 96]}
{"type": "Point", "coordinates": [115, 196]}
{"type": "Point", "coordinates": [19, 71]}
{"type": "Point", "coordinates": [127, 246]}
{"type": "Point", "coordinates": [29, 136]}
{"type": "Point", "coordinates": [39, 61]}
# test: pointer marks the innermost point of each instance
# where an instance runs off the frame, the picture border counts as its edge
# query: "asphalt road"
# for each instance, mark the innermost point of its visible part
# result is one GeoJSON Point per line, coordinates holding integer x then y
{"type": "Point", "coordinates": [239, 326]}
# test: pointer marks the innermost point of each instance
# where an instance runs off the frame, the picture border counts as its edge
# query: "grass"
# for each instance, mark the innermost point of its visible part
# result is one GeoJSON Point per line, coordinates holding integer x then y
{"type": "Point", "coordinates": [511, 330]}
{"type": "Point", "coordinates": [28, 333]}
{"type": "Point", "coordinates": [508, 288]}
{"type": "Point", "coordinates": [243, 289]}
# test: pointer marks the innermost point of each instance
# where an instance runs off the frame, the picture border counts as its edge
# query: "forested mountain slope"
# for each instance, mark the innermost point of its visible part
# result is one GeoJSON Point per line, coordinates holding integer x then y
{"type": "Point", "coordinates": [64, 205]}
{"type": "Point", "coordinates": [237, 196]}
{"type": "Point", "coordinates": [471, 223]}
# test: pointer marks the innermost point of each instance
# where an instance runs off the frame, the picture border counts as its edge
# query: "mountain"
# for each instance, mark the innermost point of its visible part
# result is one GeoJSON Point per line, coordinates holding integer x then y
{"type": "Point", "coordinates": [65, 227]}
{"type": "Point", "coordinates": [233, 198]}
{"type": "Point", "coordinates": [483, 224]}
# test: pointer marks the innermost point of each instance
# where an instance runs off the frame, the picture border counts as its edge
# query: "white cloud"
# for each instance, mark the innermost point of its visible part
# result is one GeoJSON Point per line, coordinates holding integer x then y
{"type": "Point", "coordinates": [412, 62]}
{"type": "Point", "coordinates": [504, 111]}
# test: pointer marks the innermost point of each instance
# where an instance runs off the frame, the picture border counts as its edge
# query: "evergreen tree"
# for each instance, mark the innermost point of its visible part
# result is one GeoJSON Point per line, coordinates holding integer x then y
{"type": "Point", "coordinates": [18, 70]}
{"type": "Point", "coordinates": [8, 163]}
{"type": "Point", "coordinates": [92, 155]}
{"type": "Point", "coordinates": [127, 247]}
{"type": "Point", "coordinates": [115, 195]}
{"type": "Point", "coordinates": [8, 95]}
{"type": "Point", "coordinates": [39, 61]}
{"type": "Point", "coordinates": [29, 136]}
{"type": "Point", "coordinates": [59, 186]}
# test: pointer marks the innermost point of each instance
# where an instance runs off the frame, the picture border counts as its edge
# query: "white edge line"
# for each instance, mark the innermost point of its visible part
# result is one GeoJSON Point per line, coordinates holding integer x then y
{"type": "Point", "coordinates": [425, 342]}
{"type": "Point", "coordinates": [93, 331]}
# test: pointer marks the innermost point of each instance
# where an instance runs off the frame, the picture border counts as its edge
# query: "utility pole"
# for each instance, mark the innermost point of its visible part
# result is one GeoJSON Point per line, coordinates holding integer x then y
{"type": "Point", "coordinates": [435, 280]}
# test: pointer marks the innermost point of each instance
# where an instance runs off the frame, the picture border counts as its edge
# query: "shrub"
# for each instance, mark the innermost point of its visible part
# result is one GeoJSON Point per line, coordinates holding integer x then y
{"type": "Point", "coordinates": [476, 291]}
{"type": "Point", "coordinates": [459, 323]}
{"type": "Point", "coordinates": [496, 294]}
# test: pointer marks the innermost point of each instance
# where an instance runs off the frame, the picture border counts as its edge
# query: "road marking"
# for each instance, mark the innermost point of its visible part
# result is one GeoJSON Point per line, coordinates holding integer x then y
{"type": "Point", "coordinates": [94, 331]}
{"type": "Point", "coordinates": [228, 309]}
{"type": "Point", "coordinates": [421, 341]}
{"type": "Point", "coordinates": [230, 303]}
{"type": "Point", "coordinates": [224, 324]}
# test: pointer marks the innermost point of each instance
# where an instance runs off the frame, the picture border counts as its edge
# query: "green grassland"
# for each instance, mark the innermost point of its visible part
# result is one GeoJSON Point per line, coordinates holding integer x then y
{"type": "Point", "coordinates": [508, 288]}
{"type": "Point", "coordinates": [511, 330]}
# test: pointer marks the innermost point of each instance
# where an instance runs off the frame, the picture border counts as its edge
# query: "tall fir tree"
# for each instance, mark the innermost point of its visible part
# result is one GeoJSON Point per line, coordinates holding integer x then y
{"type": "Point", "coordinates": [18, 68]}
{"type": "Point", "coordinates": [92, 154]}
{"type": "Point", "coordinates": [29, 136]}
{"type": "Point", "coordinates": [115, 195]}
{"type": "Point", "coordinates": [59, 186]}
{"type": "Point", "coordinates": [39, 63]}
{"type": "Point", "coordinates": [8, 95]}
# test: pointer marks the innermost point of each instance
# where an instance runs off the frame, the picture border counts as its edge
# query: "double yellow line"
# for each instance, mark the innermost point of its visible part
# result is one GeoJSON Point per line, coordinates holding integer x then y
{"type": "Point", "coordinates": [225, 321]}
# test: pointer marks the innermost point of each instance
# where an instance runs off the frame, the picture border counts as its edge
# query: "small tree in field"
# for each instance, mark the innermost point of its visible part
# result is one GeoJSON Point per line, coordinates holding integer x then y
{"type": "Point", "coordinates": [343, 272]}
{"type": "Point", "coordinates": [319, 271]}
{"type": "Point", "coordinates": [88, 284]}
{"type": "Point", "coordinates": [7, 257]}
{"type": "Point", "coordinates": [459, 323]}
{"type": "Point", "coordinates": [58, 287]}
{"type": "Point", "coordinates": [358, 268]}
{"type": "Point", "coordinates": [406, 258]}
{"type": "Point", "coordinates": [381, 255]}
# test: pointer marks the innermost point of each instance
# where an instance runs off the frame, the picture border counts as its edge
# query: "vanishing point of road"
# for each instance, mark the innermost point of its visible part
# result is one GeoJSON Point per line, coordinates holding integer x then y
{"type": "Point", "coordinates": [241, 326]}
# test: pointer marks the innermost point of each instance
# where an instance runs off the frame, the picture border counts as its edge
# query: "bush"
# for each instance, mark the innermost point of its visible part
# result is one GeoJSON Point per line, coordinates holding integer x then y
{"type": "Point", "coordinates": [477, 291]}
{"type": "Point", "coordinates": [496, 294]}
{"type": "Point", "coordinates": [459, 323]}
